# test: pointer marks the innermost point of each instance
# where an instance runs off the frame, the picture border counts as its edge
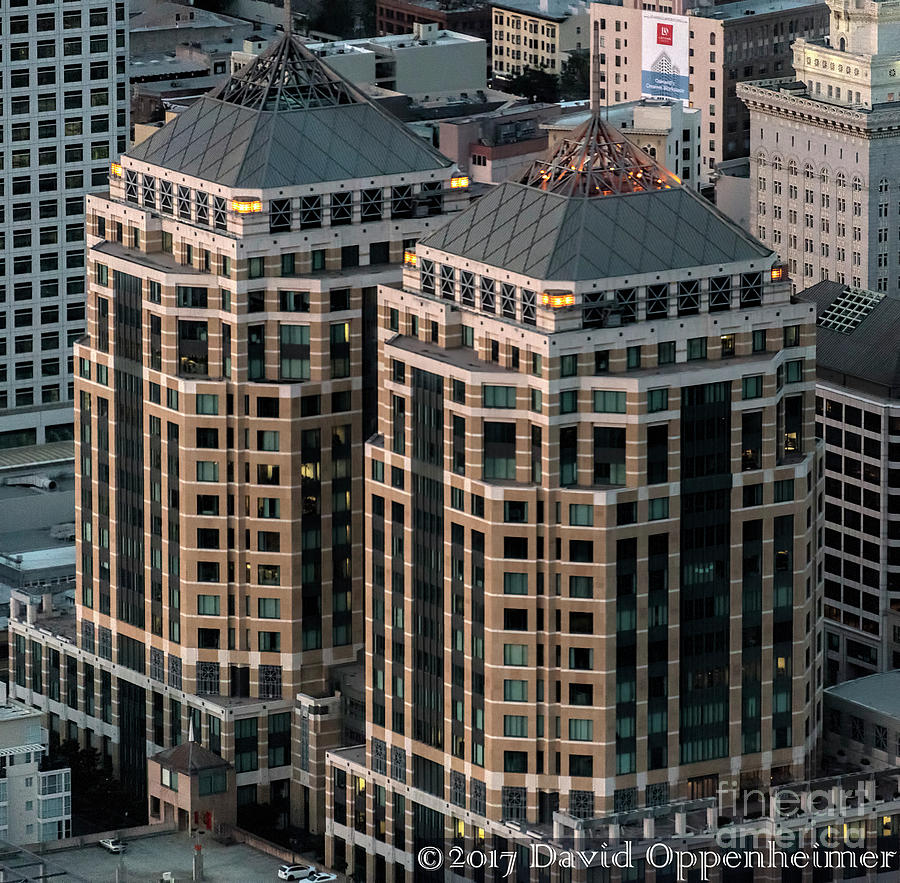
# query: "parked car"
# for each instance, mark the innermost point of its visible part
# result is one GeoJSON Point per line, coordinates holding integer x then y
{"type": "Point", "coordinates": [295, 872]}
{"type": "Point", "coordinates": [112, 845]}
{"type": "Point", "coordinates": [321, 877]}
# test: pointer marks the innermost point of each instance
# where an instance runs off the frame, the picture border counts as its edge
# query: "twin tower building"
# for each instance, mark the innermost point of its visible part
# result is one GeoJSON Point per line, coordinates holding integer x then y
{"type": "Point", "coordinates": [544, 460]}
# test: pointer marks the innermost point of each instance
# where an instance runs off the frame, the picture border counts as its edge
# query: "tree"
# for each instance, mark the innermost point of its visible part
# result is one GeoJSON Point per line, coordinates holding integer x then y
{"type": "Point", "coordinates": [334, 17]}
{"type": "Point", "coordinates": [575, 77]}
{"type": "Point", "coordinates": [535, 85]}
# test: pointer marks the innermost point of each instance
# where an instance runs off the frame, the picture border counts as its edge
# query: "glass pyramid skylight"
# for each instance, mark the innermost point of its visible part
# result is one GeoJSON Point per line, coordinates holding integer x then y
{"type": "Point", "coordinates": [287, 76]}
{"type": "Point", "coordinates": [597, 160]}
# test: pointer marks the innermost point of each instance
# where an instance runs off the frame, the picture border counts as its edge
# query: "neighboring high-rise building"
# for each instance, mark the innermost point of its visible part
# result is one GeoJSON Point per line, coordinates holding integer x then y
{"type": "Point", "coordinates": [827, 143]}
{"type": "Point", "coordinates": [712, 48]}
{"type": "Point", "coordinates": [65, 118]}
{"type": "Point", "coordinates": [858, 416]}
{"type": "Point", "coordinates": [591, 512]}
{"type": "Point", "coordinates": [224, 390]}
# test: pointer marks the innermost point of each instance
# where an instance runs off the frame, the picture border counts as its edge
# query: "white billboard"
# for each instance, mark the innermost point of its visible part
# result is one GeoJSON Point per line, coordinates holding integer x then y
{"type": "Point", "coordinates": [664, 56]}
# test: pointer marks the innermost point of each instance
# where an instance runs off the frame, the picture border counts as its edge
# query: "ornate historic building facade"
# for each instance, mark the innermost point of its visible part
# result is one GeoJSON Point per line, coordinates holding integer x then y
{"type": "Point", "coordinates": [823, 159]}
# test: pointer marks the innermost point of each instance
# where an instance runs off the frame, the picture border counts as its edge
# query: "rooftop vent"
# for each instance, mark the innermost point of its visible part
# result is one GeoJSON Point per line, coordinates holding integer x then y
{"type": "Point", "coordinates": [35, 479]}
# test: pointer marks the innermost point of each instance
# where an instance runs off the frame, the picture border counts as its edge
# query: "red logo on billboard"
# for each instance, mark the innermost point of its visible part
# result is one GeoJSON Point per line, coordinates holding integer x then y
{"type": "Point", "coordinates": [663, 34]}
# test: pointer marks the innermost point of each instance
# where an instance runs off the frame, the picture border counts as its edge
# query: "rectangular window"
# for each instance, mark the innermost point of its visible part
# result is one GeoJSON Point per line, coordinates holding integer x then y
{"type": "Point", "coordinates": [515, 583]}
{"type": "Point", "coordinates": [515, 726]}
{"type": "Point", "coordinates": [581, 587]}
{"type": "Point", "coordinates": [581, 730]}
{"type": "Point", "coordinates": [295, 352]}
{"type": "Point", "coordinates": [515, 654]}
{"type": "Point", "coordinates": [657, 400]}
{"type": "Point", "coordinates": [207, 470]}
{"type": "Point", "coordinates": [499, 396]}
{"type": "Point", "coordinates": [665, 352]}
{"type": "Point", "coordinates": [269, 608]}
{"type": "Point", "coordinates": [207, 403]}
{"type": "Point", "coordinates": [515, 691]}
{"type": "Point", "coordinates": [696, 348]}
{"type": "Point", "coordinates": [752, 386]}
{"type": "Point", "coordinates": [208, 605]}
{"type": "Point", "coordinates": [784, 490]}
{"type": "Point", "coordinates": [609, 402]}
{"type": "Point", "coordinates": [581, 514]}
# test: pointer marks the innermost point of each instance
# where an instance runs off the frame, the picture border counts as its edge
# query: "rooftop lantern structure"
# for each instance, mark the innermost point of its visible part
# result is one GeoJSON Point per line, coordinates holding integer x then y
{"type": "Point", "coordinates": [598, 161]}
{"type": "Point", "coordinates": [287, 76]}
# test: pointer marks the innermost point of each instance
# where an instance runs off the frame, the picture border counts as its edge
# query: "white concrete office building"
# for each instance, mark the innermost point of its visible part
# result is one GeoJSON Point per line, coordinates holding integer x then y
{"type": "Point", "coordinates": [35, 804]}
{"type": "Point", "coordinates": [65, 118]}
{"type": "Point", "coordinates": [427, 61]}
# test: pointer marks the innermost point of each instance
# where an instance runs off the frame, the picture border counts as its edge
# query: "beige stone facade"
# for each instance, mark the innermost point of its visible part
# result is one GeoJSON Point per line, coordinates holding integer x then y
{"type": "Point", "coordinates": [593, 577]}
{"type": "Point", "coordinates": [222, 397]}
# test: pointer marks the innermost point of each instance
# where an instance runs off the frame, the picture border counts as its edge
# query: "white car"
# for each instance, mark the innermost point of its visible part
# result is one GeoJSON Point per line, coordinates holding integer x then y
{"type": "Point", "coordinates": [112, 845]}
{"type": "Point", "coordinates": [321, 877]}
{"type": "Point", "coordinates": [295, 872]}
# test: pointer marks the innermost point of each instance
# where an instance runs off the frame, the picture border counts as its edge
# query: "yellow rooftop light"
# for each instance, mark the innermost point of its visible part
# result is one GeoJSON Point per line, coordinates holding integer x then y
{"type": "Point", "coordinates": [777, 273]}
{"type": "Point", "coordinates": [115, 170]}
{"type": "Point", "coordinates": [410, 258]}
{"type": "Point", "coordinates": [555, 299]}
{"type": "Point", "coordinates": [459, 182]}
{"type": "Point", "coordinates": [246, 206]}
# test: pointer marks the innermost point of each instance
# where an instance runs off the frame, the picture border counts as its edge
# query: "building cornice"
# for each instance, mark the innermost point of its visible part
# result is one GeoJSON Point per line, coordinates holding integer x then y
{"type": "Point", "coordinates": [762, 97]}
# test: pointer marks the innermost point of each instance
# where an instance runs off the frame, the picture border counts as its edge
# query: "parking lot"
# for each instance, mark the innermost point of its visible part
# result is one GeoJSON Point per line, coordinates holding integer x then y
{"type": "Point", "coordinates": [147, 858]}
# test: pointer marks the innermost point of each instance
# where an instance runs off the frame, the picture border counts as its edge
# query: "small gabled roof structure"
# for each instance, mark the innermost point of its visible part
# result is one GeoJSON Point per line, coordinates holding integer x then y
{"type": "Point", "coordinates": [189, 758]}
{"type": "Point", "coordinates": [287, 119]}
{"type": "Point", "coordinates": [598, 208]}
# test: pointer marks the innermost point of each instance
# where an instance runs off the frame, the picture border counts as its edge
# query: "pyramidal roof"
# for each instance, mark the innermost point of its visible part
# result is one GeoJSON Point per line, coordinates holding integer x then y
{"type": "Point", "coordinates": [597, 160]}
{"type": "Point", "coordinates": [286, 76]}
{"type": "Point", "coordinates": [599, 208]}
{"type": "Point", "coordinates": [287, 119]}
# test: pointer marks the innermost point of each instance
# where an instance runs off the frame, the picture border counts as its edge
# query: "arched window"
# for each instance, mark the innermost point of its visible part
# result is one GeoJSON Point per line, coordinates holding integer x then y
{"type": "Point", "coordinates": [808, 172]}
{"type": "Point", "coordinates": [841, 179]}
{"type": "Point", "coordinates": [857, 184]}
{"type": "Point", "coordinates": [824, 175]}
{"type": "Point", "coordinates": [792, 169]}
{"type": "Point", "coordinates": [776, 162]}
{"type": "Point", "coordinates": [761, 159]}
{"type": "Point", "coordinates": [884, 186]}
